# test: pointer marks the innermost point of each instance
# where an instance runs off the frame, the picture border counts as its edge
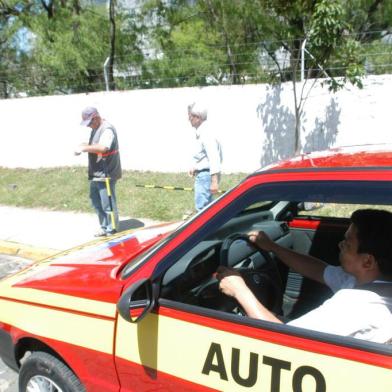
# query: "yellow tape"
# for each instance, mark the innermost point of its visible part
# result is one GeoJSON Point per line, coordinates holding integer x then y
{"type": "Point", "coordinates": [107, 181]}
{"type": "Point", "coordinates": [169, 187]}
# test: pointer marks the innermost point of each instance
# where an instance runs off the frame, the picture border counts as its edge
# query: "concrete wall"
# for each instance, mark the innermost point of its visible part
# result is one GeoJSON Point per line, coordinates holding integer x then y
{"type": "Point", "coordinates": [255, 124]}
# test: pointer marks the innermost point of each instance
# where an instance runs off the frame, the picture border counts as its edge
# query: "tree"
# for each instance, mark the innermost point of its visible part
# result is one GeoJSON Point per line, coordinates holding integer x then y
{"type": "Point", "coordinates": [321, 26]}
{"type": "Point", "coordinates": [10, 56]}
{"type": "Point", "coordinates": [70, 43]}
{"type": "Point", "coordinates": [203, 42]}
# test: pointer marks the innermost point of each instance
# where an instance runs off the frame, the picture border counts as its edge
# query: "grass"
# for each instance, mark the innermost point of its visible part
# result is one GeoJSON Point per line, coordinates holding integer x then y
{"type": "Point", "coordinates": [66, 188]}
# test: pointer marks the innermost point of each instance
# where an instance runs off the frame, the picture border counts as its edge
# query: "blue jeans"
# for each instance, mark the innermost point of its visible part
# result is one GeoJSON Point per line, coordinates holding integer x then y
{"type": "Point", "coordinates": [100, 201]}
{"type": "Point", "coordinates": [203, 194]}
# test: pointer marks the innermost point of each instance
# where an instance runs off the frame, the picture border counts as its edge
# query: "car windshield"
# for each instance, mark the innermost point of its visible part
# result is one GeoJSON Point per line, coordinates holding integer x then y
{"type": "Point", "coordinates": [143, 256]}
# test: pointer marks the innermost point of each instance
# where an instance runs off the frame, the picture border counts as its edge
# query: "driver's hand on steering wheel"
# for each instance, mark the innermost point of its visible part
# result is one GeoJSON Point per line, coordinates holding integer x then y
{"type": "Point", "coordinates": [231, 282]}
{"type": "Point", "coordinates": [261, 239]}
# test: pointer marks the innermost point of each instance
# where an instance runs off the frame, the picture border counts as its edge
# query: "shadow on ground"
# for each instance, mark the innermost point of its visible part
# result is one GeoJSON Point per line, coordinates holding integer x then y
{"type": "Point", "coordinates": [130, 224]}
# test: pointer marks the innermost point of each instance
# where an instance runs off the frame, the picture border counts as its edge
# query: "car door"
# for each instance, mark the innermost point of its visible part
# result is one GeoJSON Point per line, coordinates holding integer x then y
{"type": "Point", "coordinates": [168, 344]}
{"type": "Point", "coordinates": [182, 347]}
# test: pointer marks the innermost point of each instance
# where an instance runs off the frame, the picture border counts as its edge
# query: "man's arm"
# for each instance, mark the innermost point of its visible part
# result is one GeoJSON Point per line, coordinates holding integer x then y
{"type": "Point", "coordinates": [306, 265]}
{"type": "Point", "coordinates": [233, 285]}
{"type": "Point", "coordinates": [93, 148]}
{"type": "Point", "coordinates": [102, 147]}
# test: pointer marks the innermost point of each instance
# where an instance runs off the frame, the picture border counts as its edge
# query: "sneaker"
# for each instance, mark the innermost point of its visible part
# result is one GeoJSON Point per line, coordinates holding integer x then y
{"type": "Point", "coordinates": [100, 233]}
{"type": "Point", "coordinates": [111, 232]}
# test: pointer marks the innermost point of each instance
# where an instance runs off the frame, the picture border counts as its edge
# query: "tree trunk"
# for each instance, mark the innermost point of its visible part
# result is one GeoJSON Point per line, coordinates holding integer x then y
{"type": "Point", "coordinates": [112, 17]}
{"type": "Point", "coordinates": [233, 69]}
{"type": "Point", "coordinates": [49, 8]}
{"type": "Point", "coordinates": [5, 89]}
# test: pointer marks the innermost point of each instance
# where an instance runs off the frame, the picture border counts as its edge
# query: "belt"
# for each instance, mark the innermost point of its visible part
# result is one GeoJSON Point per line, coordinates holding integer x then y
{"type": "Point", "coordinates": [196, 172]}
{"type": "Point", "coordinates": [106, 154]}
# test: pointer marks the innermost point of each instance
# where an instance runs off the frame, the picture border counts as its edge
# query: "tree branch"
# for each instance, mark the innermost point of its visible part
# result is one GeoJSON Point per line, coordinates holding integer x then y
{"type": "Point", "coordinates": [49, 8]}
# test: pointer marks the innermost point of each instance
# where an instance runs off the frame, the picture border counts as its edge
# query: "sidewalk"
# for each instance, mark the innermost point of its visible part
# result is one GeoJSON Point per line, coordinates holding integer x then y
{"type": "Point", "coordinates": [37, 233]}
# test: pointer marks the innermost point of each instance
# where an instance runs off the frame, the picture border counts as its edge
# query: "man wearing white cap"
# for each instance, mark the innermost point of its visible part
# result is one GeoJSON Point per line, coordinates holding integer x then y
{"type": "Point", "coordinates": [207, 157]}
{"type": "Point", "coordinates": [104, 168]}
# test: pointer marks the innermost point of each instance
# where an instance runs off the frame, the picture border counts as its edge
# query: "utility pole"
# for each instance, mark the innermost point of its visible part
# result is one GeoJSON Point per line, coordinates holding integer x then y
{"type": "Point", "coordinates": [303, 60]}
{"type": "Point", "coordinates": [105, 73]}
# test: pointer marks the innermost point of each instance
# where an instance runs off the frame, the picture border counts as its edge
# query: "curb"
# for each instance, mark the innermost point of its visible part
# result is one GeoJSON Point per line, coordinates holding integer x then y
{"type": "Point", "coordinates": [26, 251]}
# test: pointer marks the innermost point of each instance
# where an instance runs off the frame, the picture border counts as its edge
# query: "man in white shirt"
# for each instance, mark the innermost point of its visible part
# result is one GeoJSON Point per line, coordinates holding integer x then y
{"type": "Point", "coordinates": [207, 157]}
{"type": "Point", "coordinates": [362, 304]}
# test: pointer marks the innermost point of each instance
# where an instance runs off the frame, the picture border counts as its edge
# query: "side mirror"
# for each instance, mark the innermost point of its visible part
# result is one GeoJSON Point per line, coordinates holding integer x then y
{"type": "Point", "coordinates": [136, 301]}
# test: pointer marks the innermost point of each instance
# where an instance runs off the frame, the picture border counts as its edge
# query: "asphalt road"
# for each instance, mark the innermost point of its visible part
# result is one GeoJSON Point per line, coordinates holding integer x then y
{"type": "Point", "coordinates": [8, 378]}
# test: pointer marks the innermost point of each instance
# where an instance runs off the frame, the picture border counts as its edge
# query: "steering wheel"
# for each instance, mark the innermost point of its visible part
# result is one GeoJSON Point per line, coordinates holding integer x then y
{"type": "Point", "coordinates": [265, 282]}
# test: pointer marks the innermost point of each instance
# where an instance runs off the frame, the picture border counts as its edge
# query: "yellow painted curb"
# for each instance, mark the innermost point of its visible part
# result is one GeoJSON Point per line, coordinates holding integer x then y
{"type": "Point", "coordinates": [25, 251]}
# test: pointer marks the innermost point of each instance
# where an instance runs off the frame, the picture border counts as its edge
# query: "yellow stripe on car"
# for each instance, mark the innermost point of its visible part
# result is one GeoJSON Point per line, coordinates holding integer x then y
{"type": "Point", "coordinates": [85, 331]}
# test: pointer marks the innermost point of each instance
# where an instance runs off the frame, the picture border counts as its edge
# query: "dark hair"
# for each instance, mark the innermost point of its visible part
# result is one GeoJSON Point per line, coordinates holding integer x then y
{"type": "Point", "coordinates": [374, 233]}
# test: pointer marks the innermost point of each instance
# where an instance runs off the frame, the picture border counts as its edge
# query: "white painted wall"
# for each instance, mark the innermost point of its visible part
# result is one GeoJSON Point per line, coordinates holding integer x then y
{"type": "Point", "coordinates": [255, 124]}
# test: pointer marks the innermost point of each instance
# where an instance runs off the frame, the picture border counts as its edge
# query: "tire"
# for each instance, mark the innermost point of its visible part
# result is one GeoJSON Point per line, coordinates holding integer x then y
{"type": "Point", "coordinates": [42, 372]}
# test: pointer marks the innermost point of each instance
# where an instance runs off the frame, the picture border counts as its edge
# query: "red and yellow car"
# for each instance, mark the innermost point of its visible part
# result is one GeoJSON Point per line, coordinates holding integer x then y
{"type": "Point", "coordinates": [143, 311]}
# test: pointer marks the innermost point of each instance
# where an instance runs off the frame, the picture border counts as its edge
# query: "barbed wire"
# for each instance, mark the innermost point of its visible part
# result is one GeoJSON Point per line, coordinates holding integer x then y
{"type": "Point", "coordinates": [177, 64]}
{"type": "Point", "coordinates": [159, 79]}
{"type": "Point", "coordinates": [267, 64]}
{"type": "Point", "coordinates": [261, 57]}
{"type": "Point", "coordinates": [140, 82]}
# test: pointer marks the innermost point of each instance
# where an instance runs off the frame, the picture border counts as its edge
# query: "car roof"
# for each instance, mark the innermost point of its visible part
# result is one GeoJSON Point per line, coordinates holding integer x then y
{"type": "Point", "coordinates": [370, 155]}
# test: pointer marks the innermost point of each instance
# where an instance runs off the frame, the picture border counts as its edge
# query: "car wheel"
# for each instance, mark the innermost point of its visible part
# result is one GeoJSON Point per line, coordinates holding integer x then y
{"type": "Point", "coordinates": [42, 372]}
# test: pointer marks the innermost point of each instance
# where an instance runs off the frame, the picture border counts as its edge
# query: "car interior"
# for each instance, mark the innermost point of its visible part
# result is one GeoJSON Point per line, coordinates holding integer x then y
{"type": "Point", "coordinates": [309, 228]}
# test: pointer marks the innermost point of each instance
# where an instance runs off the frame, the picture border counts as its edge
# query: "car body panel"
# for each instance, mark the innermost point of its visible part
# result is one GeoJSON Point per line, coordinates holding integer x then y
{"type": "Point", "coordinates": [229, 356]}
{"type": "Point", "coordinates": [353, 156]}
{"type": "Point", "coordinates": [69, 304]}
{"type": "Point", "coordinates": [88, 362]}
{"type": "Point", "coordinates": [88, 272]}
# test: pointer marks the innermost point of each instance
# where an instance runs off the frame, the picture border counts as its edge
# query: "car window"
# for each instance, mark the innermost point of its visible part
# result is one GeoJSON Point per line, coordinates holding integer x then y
{"type": "Point", "coordinates": [334, 210]}
{"type": "Point", "coordinates": [259, 205]}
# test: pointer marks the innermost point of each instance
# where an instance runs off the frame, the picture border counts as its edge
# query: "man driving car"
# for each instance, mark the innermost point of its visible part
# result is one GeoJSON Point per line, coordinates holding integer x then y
{"type": "Point", "coordinates": [361, 306]}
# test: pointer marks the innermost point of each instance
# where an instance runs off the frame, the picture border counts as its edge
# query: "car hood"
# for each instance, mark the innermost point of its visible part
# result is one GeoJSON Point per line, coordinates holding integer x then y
{"type": "Point", "coordinates": [90, 271]}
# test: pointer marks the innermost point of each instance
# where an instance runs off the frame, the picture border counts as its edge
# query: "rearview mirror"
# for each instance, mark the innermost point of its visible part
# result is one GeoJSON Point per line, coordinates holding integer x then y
{"type": "Point", "coordinates": [136, 301]}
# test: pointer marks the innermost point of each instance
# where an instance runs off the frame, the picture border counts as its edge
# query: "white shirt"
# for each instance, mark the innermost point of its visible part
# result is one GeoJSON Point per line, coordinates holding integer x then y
{"type": "Point", "coordinates": [351, 312]}
{"type": "Point", "coordinates": [106, 138]}
{"type": "Point", "coordinates": [207, 150]}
